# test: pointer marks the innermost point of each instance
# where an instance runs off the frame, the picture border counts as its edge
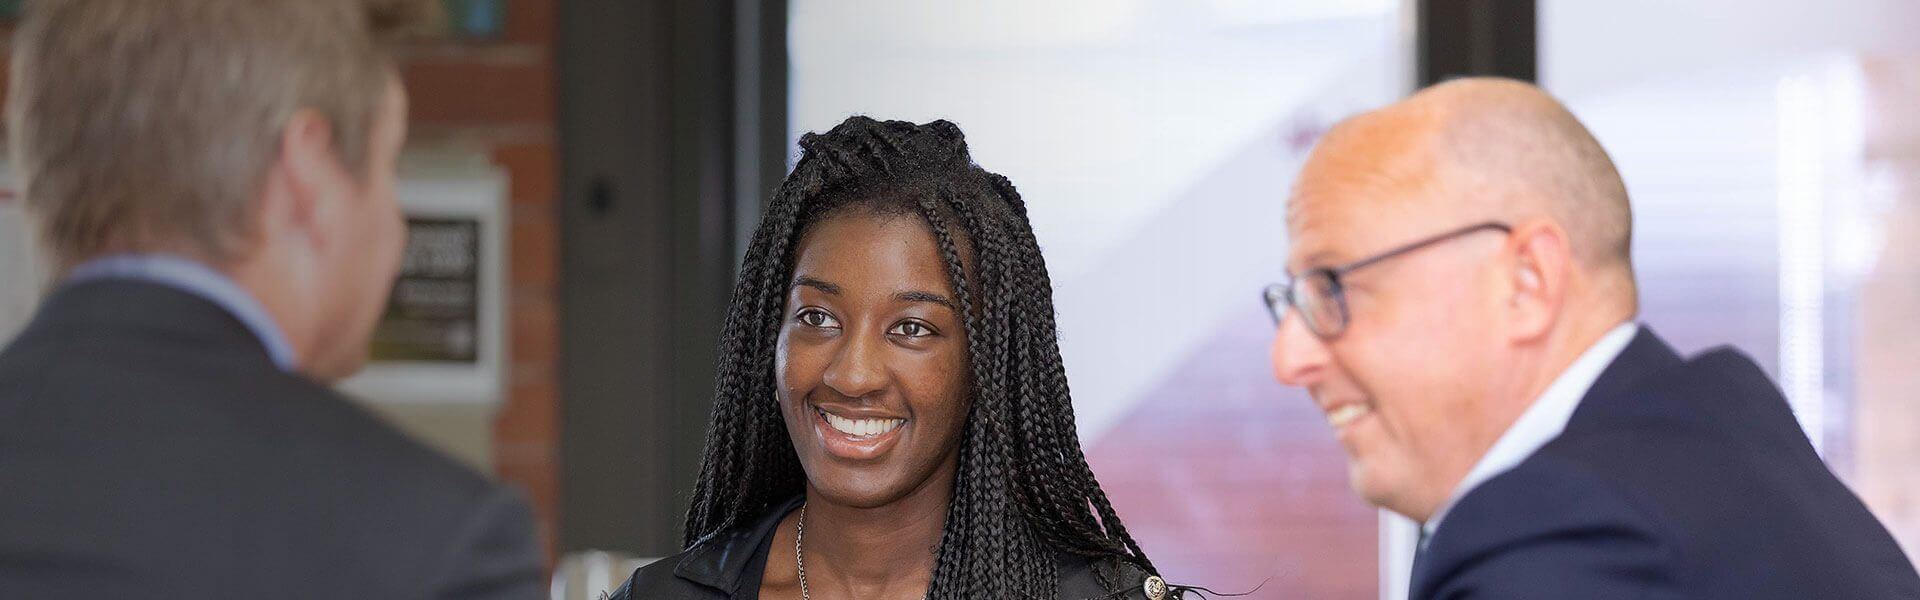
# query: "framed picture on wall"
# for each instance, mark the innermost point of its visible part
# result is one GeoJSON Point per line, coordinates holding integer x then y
{"type": "Point", "coordinates": [433, 312]}
{"type": "Point", "coordinates": [443, 336]}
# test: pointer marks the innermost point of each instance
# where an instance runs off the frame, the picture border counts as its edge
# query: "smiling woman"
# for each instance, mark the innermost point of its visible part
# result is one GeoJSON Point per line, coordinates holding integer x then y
{"type": "Point", "coordinates": [891, 402]}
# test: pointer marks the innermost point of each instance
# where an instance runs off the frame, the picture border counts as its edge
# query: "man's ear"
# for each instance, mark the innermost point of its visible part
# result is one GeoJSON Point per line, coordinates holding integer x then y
{"type": "Point", "coordinates": [1541, 260]}
{"type": "Point", "coordinates": [313, 175]}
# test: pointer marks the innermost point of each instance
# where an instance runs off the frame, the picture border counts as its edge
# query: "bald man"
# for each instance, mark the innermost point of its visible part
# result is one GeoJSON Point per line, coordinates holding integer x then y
{"type": "Point", "coordinates": [1462, 307]}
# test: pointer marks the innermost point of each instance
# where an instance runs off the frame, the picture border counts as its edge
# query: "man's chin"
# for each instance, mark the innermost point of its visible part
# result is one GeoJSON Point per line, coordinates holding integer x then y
{"type": "Point", "coordinates": [1366, 483]}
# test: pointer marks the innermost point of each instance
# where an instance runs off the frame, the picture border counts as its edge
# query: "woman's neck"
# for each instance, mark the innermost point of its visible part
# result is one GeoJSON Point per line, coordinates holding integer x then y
{"type": "Point", "coordinates": [879, 552]}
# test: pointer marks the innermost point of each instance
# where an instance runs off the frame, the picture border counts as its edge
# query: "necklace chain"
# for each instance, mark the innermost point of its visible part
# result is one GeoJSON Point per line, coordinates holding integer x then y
{"type": "Point", "coordinates": [800, 558]}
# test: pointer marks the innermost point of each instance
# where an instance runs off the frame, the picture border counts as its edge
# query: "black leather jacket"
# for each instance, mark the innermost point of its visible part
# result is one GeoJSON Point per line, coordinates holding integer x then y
{"type": "Point", "coordinates": [715, 567]}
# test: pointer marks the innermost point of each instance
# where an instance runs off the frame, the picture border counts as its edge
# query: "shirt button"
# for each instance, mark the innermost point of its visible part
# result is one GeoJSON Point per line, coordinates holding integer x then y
{"type": "Point", "coordinates": [1156, 588]}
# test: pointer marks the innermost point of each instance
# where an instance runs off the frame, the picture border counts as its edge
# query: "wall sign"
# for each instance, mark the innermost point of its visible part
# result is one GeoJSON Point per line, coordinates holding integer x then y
{"type": "Point", "coordinates": [443, 337]}
{"type": "Point", "coordinates": [433, 314]}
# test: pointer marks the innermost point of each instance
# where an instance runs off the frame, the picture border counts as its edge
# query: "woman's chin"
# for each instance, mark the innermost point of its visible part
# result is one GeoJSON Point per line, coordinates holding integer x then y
{"type": "Point", "coordinates": [875, 485]}
{"type": "Point", "coordinates": [859, 490]}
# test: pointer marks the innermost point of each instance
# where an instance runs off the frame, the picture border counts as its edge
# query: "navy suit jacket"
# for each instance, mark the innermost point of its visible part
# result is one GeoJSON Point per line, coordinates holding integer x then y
{"type": "Point", "coordinates": [149, 448]}
{"type": "Point", "coordinates": [1675, 478]}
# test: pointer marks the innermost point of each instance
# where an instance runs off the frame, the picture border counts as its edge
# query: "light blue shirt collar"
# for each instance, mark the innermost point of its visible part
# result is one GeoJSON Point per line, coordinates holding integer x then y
{"type": "Point", "coordinates": [200, 280]}
{"type": "Point", "coordinates": [1543, 420]}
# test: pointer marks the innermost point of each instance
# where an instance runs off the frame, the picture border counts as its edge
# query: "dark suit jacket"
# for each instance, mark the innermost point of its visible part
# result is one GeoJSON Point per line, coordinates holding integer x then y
{"type": "Point", "coordinates": [150, 449]}
{"type": "Point", "coordinates": [723, 567]}
{"type": "Point", "coordinates": [1674, 479]}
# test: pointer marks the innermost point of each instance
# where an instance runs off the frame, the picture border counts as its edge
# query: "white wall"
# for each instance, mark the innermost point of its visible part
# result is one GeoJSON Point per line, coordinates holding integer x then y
{"type": "Point", "coordinates": [1590, 46]}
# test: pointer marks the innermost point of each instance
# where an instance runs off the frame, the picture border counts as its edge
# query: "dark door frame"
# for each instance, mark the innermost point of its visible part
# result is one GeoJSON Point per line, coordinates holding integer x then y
{"type": "Point", "coordinates": [673, 117]}
{"type": "Point", "coordinates": [1462, 38]}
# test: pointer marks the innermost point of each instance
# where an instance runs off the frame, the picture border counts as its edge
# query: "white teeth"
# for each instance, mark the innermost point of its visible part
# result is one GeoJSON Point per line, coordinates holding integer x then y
{"type": "Point", "coordinates": [861, 427]}
{"type": "Point", "coordinates": [1340, 417]}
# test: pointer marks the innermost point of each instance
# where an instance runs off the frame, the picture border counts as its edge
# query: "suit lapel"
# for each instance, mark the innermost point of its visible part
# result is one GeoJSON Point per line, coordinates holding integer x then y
{"type": "Point", "coordinates": [1646, 355]}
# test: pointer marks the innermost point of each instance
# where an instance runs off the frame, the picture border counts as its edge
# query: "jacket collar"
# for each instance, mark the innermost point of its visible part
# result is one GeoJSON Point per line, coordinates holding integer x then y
{"type": "Point", "coordinates": [1718, 389]}
{"type": "Point", "coordinates": [1646, 355]}
{"type": "Point", "coordinates": [116, 308]}
{"type": "Point", "coordinates": [200, 280]}
{"type": "Point", "coordinates": [720, 560]}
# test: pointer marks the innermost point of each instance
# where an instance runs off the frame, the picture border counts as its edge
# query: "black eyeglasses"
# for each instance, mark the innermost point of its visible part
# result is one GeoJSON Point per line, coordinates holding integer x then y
{"type": "Point", "coordinates": [1317, 293]}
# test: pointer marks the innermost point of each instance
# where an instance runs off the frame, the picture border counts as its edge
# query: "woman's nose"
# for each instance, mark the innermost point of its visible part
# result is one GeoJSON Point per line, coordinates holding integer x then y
{"type": "Point", "coordinates": [856, 370]}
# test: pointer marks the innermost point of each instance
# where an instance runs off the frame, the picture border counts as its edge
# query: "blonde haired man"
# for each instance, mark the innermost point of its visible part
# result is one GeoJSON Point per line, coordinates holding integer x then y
{"type": "Point", "coordinates": [214, 183]}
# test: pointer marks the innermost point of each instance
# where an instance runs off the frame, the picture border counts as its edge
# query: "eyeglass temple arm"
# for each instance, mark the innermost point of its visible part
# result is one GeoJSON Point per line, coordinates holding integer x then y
{"type": "Point", "coordinates": [1357, 265]}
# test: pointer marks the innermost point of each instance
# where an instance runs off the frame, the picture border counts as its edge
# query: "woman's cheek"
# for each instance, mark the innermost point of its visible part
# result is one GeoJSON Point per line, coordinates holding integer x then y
{"type": "Point", "coordinates": [956, 392]}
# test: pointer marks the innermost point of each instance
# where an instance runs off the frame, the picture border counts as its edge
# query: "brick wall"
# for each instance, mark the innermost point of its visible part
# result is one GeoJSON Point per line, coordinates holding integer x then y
{"type": "Point", "coordinates": [499, 95]}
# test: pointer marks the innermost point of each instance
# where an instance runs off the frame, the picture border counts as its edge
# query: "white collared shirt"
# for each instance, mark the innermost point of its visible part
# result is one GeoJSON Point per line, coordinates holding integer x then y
{"type": "Point", "coordinates": [1542, 421]}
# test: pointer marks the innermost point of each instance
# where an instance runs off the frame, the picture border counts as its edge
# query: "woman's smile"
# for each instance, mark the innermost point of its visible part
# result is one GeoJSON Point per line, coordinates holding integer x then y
{"type": "Point", "coordinates": [857, 434]}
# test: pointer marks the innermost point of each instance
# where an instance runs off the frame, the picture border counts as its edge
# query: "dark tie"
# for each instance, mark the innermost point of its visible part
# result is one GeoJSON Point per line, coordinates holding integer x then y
{"type": "Point", "coordinates": [1419, 550]}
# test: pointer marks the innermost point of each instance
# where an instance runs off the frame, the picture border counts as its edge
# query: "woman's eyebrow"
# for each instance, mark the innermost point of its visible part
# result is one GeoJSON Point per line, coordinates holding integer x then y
{"type": "Point", "coordinates": [918, 296]}
{"type": "Point", "coordinates": [823, 286]}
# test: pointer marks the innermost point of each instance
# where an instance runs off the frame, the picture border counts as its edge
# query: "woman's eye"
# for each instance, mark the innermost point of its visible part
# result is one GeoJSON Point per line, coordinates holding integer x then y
{"type": "Point", "coordinates": [816, 318]}
{"type": "Point", "coordinates": [912, 329]}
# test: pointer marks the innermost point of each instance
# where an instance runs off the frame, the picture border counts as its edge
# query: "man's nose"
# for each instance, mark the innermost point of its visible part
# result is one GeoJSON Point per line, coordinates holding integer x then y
{"type": "Point", "coordinates": [1299, 356]}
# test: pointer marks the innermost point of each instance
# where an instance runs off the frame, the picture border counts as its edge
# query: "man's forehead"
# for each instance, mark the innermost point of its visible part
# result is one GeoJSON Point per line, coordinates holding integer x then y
{"type": "Point", "coordinates": [1340, 221]}
{"type": "Point", "coordinates": [1366, 178]}
{"type": "Point", "coordinates": [1317, 224]}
